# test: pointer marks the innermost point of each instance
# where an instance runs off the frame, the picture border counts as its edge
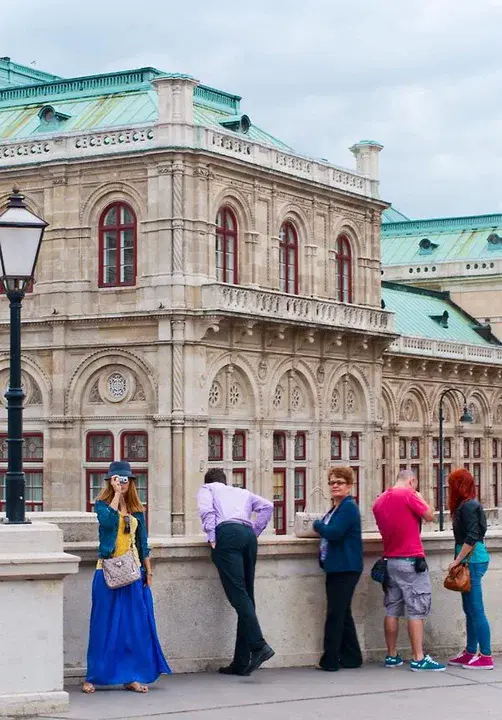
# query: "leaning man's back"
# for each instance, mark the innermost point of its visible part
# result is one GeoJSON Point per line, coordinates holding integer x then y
{"type": "Point", "coordinates": [398, 512]}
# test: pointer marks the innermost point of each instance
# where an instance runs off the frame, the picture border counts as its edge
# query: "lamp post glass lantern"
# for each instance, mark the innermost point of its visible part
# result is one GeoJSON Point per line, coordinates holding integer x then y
{"type": "Point", "coordinates": [21, 235]}
{"type": "Point", "coordinates": [466, 417]}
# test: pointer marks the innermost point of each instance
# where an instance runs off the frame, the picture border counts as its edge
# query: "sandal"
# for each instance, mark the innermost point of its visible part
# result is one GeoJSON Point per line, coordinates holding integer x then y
{"type": "Point", "coordinates": [136, 687]}
{"type": "Point", "coordinates": [88, 688]}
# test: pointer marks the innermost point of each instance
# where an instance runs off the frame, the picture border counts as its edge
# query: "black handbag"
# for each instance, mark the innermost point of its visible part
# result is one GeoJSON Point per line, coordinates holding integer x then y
{"type": "Point", "coordinates": [379, 571]}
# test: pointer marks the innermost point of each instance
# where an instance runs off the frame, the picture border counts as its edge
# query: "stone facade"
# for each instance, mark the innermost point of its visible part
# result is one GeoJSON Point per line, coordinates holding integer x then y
{"type": "Point", "coordinates": [273, 385]}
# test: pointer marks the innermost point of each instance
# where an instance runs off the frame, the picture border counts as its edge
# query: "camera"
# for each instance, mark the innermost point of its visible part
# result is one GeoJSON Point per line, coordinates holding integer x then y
{"type": "Point", "coordinates": [123, 479]}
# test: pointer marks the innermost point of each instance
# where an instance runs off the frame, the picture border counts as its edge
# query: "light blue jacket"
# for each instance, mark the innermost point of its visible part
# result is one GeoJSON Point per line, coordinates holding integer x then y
{"type": "Point", "coordinates": [108, 519]}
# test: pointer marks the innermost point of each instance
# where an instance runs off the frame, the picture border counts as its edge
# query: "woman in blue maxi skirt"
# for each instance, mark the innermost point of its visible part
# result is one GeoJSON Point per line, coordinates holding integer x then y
{"type": "Point", "coordinates": [123, 645]}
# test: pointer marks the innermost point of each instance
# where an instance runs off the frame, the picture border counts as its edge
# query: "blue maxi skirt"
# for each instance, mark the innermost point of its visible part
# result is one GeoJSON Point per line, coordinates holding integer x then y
{"type": "Point", "coordinates": [123, 642]}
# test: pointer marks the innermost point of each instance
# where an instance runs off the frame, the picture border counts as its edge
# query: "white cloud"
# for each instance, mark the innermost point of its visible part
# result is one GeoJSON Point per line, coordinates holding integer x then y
{"type": "Point", "coordinates": [421, 76]}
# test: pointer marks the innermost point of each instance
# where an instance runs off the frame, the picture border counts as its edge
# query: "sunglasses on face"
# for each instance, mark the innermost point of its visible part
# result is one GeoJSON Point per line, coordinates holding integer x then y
{"type": "Point", "coordinates": [127, 524]}
{"type": "Point", "coordinates": [336, 482]}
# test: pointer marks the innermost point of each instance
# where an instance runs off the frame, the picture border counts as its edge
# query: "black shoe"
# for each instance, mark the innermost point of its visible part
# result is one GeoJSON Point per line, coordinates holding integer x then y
{"type": "Point", "coordinates": [258, 657]}
{"type": "Point", "coordinates": [327, 669]}
{"type": "Point", "coordinates": [231, 670]}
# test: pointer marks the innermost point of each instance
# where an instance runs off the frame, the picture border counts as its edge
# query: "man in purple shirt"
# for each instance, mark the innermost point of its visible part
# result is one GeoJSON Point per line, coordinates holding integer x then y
{"type": "Point", "coordinates": [226, 513]}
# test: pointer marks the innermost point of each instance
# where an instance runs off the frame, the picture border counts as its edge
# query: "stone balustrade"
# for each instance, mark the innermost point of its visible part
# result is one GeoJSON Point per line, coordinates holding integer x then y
{"type": "Point", "coordinates": [447, 350]}
{"type": "Point", "coordinates": [237, 301]}
{"type": "Point", "coordinates": [74, 146]}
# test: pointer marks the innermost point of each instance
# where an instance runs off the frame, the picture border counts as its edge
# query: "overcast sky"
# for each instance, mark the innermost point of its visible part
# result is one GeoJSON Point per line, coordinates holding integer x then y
{"type": "Point", "coordinates": [423, 77]}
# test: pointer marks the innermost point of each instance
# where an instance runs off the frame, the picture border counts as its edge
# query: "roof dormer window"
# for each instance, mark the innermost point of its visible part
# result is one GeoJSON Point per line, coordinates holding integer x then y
{"type": "Point", "coordinates": [441, 319]}
{"type": "Point", "coordinates": [237, 123]}
{"type": "Point", "coordinates": [494, 241]}
{"type": "Point", "coordinates": [426, 246]}
{"type": "Point", "coordinates": [50, 118]}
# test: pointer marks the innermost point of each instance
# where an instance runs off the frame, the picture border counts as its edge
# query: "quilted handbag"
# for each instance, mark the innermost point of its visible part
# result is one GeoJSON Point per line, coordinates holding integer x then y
{"type": "Point", "coordinates": [121, 571]}
{"type": "Point", "coordinates": [304, 520]}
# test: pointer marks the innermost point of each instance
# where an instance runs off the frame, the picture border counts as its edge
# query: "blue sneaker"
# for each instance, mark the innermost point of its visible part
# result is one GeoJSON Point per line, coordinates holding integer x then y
{"type": "Point", "coordinates": [393, 662]}
{"type": "Point", "coordinates": [427, 663]}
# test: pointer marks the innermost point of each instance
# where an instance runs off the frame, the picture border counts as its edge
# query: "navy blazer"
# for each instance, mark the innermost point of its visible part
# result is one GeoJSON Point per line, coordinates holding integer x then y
{"type": "Point", "coordinates": [108, 528]}
{"type": "Point", "coordinates": [343, 533]}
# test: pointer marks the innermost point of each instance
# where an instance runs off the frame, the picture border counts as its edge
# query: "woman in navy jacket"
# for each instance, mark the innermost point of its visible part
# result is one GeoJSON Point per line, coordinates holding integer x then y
{"type": "Point", "coordinates": [123, 645]}
{"type": "Point", "coordinates": [341, 557]}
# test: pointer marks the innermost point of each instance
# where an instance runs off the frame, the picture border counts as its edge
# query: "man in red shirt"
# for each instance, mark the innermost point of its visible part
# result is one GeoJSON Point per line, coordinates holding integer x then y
{"type": "Point", "coordinates": [399, 512]}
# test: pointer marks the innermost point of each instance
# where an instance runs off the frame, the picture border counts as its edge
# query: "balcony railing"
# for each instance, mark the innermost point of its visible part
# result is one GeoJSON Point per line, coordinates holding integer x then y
{"type": "Point", "coordinates": [250, 303]}
{"type": "Point", "coordinates": [439, 349]}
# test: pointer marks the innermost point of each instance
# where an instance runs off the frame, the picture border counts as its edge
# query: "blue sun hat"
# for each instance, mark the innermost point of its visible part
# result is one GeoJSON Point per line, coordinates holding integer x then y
{"type": "Point", "coordinates": [120, 467]}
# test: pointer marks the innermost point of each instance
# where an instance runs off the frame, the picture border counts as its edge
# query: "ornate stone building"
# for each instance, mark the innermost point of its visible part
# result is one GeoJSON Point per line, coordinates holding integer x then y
{"type": "Point", "coordinates": [206, 296]}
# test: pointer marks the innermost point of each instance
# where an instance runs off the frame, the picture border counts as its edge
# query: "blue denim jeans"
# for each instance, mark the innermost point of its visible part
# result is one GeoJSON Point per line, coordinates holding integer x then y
{"type": "Point", "coordinates": [478, 628]}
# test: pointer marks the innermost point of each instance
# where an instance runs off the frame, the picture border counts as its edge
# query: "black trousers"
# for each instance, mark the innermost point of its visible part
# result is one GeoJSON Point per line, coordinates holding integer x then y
{"type": "Point", "coordinates": [235, 558]}
{"type": "Point", "coordinates": [341, 646]}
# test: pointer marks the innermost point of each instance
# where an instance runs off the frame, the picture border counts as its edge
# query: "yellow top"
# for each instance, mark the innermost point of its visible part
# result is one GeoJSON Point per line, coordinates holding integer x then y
{"type": "Point", "coordinates": [125, 541]}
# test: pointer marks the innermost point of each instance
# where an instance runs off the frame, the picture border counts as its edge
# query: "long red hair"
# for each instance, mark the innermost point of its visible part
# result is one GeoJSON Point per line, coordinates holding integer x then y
{"type": "Point", "coordinates": [462, 487]}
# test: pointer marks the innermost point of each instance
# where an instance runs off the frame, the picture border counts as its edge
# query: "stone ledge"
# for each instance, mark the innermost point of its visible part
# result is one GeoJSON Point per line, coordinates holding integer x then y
{"type": "Point", "coordinates": [51, 566]}
{"type": "Point", "coordinates": [43, 703]}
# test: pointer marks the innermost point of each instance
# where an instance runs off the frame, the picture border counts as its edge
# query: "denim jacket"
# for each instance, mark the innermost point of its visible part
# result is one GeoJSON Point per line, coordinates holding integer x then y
{"type": "Point", "coordinates": [108, 519]}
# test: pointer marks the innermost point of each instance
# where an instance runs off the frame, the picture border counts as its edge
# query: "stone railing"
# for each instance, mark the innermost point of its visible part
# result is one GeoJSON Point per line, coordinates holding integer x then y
{"type": "Point", "coordinates": [319, 171]}
{"type": "Point", "coordinates": [447, 350]}
{"type": "Point", "coordinates": [250, 303]}
{"type": "Point", "coordinates": [145, 137]}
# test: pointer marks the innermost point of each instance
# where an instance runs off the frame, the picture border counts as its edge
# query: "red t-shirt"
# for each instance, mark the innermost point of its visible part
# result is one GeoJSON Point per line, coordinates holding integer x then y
{"type": "Point", "coordinates": [398, 512]}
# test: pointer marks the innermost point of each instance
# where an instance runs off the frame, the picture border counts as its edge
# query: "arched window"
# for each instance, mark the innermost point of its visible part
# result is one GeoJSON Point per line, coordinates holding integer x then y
{"type": "Point", "coordinates": [343, 270]}
{"type": "Point", "coordinates": [288, 259]}
{"type": "Point", "coordinates": [226, 247]}
{"type": "Point", "coordinates": [117, 246]}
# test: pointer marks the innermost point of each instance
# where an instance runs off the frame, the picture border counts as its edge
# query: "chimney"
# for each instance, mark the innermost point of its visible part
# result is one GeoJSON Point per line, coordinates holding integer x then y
{"type": "Point", "coordinates": [366, 154]}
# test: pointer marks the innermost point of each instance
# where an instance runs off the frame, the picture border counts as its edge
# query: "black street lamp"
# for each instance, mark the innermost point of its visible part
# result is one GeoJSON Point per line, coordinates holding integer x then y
{"type": "Point", "coordinates": [21, 234]}
{"type": "Point", "coordinates": [466, 418]}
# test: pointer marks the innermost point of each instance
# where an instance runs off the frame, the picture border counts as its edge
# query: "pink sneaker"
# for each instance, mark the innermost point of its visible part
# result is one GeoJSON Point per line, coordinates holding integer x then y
{"type": "Point", "coordinates": [461, 659]}
{"type": "Point", "coordinates": [480, 662]}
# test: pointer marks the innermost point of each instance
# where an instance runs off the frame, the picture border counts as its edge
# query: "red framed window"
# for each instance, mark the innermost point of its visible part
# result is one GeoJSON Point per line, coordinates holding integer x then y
{"type": "Point", "coordinates": [239, 477]}
{"type": "Point", "coordinates": [134, 446]}
{"type": "Point", "coordinates": [301, 446]}
{"type": "Point", "coordinates": [99, 446]}
{"type": "Point", "coordinates": [355, 487]}
{"type": "Point", "coordinates": [215, 445]}
{"type": "Point", "coordinates": [495, 484]}
{"type": "Point", "coordinates": [435, 484]}
{"type": "Point", "coordinates": [336, 446]}
{"type": "Point", "coordinates": [384, 447]}
{"type": "Point", "coordinates": [354, 449]}
{"type": "Point", "coordinates": [288, 259]}
{"type": "Point", "coordinates": [142, 487]}
{"type": "Point", "coordinates": [414, 448]}
{"type": "Point", "coordinates": [446, 447]}
{"type": "Point", "coordinates": [95, 482]}
{"type": "Point", "coordinates": [467, 448]}
{"type": "Point", "coordinates": [343, 270]}
{"type": "Point", "coordinates": [226, 246]}
{"type": "Point", "coordinates": [403, 449]}
{"type": "Point", "coordinates": [476, 473]}
{"type": "Point", "coordinates": [476, 448]}
{"type": "Point", "coordinates": [300, 489]}
{"type": "Point", "coordinates": [117, 246]}
{"type": "Point", "coordinates": [279, 490]}
{"type": "Point", "coordinates": [33, 447]}
{"type": "Point", "coordinates": [239, 446]}
{"type": "Point", "coordinates": [279, 440]}
{"type": "Point", "coordinates": [33, 490]}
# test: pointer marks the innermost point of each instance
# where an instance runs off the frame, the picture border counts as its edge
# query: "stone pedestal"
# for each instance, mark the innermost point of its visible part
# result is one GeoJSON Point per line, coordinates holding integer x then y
{"type": "Point", "coordinates": [32, 568]}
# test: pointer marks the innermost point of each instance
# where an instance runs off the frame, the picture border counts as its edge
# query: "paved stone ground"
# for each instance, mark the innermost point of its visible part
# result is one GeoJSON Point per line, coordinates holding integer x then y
{"type": "Point", "coordinates": [304, 693]}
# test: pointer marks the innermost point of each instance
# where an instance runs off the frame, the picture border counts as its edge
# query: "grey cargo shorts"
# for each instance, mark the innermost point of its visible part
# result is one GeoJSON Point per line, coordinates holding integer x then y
{"type": "Point", "coordinates": [408, 593]}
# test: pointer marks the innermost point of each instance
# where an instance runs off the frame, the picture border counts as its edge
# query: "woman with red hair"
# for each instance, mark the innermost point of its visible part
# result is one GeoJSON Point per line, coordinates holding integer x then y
{"type": "Point", "coordinates": [469, 528]}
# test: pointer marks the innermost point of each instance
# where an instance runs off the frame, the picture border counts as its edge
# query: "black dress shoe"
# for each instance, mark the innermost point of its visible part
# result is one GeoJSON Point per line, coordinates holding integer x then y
{"type": "Point", "coordinates": [258, 657]}
{"type": "Point", "coordinates": [231, 670]}
{"type": "Point", "coordinates": [327, 669]}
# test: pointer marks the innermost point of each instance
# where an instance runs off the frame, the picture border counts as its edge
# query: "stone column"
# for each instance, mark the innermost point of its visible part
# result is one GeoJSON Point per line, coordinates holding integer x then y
{"type": "Point", "coordinates": [248, 268]}
{"type": "Point", "coordinates": [274, 263]}
{"type": "Point", "coordinates": [393, 454]}
{"type": "Point", "coordinates": [178, 421]}
{"type": "Point", "coordinates": [487, 498]}
{"type": "Point", "coordinates": [32, 568]}
{"type": "Point", "coordinates": [310, 275]}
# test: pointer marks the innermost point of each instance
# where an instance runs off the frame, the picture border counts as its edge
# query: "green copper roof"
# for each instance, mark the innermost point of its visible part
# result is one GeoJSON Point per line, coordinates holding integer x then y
{"type": "Point", "coordinates": [451, 239]}
{"type": "Point", "coordinates": [96, 102]}
{"type": "Point", "coordinates": [416, 308]}
{"type": "Point", "coordinates": [391, 215]}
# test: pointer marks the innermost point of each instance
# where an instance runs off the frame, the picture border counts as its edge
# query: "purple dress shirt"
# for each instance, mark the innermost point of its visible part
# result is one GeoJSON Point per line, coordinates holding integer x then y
{"type": "Point", "coordinates": [219, 503]}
